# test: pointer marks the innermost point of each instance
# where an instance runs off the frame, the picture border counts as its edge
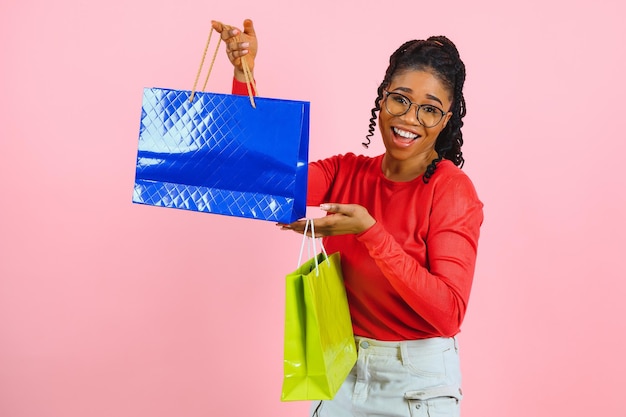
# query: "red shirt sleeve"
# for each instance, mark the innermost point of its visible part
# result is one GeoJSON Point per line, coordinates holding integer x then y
{"type": "Point", "coordinates": [241, 89]}
{"type": "Point", "coordinates": [439, 293]}
{"type": "Point", "coordinates": [319, 182]}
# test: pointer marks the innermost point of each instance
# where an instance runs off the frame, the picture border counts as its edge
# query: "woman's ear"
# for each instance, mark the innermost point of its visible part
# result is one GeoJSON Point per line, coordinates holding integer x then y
{"type": "Point", "coordinates": [446, 119]}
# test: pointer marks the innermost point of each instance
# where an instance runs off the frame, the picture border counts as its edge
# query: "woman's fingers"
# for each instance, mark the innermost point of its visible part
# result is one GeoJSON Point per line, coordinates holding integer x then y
{"type": "Point", "coordinates": [225, 31]}
{"type": "Point", "coordinates": [238, 43]}
{"type": "Point", "coordinates": [248, 28]}
{"type": "Point", "coordinates": [342, 219]}
{"type": "Point", "coordinates": [237, 50]}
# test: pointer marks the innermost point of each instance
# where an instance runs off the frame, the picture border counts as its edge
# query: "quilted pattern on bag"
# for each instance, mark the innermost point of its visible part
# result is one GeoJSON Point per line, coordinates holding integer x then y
{"type": "Point", "coordinates": [220, 155]}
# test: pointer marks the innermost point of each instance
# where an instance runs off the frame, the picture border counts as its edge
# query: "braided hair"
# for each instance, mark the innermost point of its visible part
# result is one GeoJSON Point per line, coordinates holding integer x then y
{"type": "Point", "coordinates": [439, 56]}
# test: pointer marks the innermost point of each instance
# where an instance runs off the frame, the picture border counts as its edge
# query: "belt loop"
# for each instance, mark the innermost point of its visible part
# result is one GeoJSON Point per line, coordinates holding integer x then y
{"type": "Point", "coordinates": [404, 354]}
{"type": "Point", "coordinates": [456, 344]}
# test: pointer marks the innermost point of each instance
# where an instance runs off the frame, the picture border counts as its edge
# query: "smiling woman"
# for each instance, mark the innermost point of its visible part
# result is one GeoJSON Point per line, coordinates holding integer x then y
{"type": "Point", "coordinates": [410, 137]}
{"type": "Point", "coordinates": [406, 224]}
{"type": "Point", "coordinates": [432, 74]}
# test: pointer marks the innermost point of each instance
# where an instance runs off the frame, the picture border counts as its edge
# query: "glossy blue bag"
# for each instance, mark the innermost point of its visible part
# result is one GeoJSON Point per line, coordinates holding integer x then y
{"type": "Point", "coordinates": [224, 154]}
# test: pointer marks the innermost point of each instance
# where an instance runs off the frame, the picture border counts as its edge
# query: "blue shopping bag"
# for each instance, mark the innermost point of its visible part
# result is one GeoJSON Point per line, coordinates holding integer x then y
{"type": "Point", "coordinates": [223, 154]}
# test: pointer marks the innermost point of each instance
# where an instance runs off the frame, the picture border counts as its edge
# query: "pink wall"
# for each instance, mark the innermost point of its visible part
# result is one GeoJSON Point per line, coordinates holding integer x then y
{"type": "Point", "coordinates": [113, 309]}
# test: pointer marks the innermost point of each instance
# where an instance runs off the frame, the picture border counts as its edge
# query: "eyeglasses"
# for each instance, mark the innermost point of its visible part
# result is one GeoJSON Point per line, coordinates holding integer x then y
{"type": "Point", "coordinates": [398, 105]}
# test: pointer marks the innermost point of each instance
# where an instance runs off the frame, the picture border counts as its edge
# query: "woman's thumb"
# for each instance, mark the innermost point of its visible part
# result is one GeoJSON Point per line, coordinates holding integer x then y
{"type": "Point", "coordinates": [248, 27]}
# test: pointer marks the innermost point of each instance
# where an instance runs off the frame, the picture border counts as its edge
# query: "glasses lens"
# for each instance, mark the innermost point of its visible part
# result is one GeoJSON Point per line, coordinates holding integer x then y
{"type": "Point", "coordinates": [397, 104]}
{"type": "Point", "coordinates": [429, 116]}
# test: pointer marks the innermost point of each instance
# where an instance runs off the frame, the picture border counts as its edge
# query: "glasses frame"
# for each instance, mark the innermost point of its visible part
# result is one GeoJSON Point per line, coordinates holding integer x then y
{"type": "Point", "coordinates": [418, 107]}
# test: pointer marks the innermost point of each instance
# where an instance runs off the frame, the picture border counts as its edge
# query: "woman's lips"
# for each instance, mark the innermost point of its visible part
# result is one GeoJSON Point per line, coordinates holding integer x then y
{"type": "Point", "coordinates": [404, 137]}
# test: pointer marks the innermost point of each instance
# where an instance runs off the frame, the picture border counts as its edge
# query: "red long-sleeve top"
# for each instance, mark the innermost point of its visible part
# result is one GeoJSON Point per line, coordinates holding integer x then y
{"type": "Point", "coordinates": [409, 276]}
{"type": "Point", "coordinates": [241, 88]}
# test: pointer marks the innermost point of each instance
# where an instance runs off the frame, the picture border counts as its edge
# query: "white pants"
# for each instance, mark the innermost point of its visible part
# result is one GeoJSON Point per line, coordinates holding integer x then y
{"type": "Point", "coordinates": [415, 378]}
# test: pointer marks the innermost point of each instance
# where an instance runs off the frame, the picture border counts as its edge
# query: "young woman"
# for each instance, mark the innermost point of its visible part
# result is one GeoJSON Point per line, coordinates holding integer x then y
{"type": "Point", "coordinates": [406, 224]}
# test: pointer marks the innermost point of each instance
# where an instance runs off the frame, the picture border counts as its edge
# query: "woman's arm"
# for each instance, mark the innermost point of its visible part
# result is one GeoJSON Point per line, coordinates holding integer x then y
{"type": "Point", "coordinates": [440, 291]}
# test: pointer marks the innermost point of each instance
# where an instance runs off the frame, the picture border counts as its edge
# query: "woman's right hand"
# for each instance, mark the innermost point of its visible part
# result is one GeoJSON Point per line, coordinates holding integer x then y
{"type": "Point", "coordinates": [342, 219]}
{"type": "Point", "coordinates": [239, 44]}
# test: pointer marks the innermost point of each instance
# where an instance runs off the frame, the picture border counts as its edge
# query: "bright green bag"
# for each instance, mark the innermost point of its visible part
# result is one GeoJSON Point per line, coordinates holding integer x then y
{"type": "Point", "coordinates": [319, 349]}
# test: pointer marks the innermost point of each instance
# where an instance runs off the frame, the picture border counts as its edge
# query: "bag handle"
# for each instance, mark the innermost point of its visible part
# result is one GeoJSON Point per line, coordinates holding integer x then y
{"type": "Point", "coordinates": [244, 63]}
{"type": "Point", "coordinates": [313, 239]}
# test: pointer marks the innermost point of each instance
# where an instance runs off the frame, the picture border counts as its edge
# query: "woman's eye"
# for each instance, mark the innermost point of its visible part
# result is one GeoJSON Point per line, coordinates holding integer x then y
{"type": "Point", "coordinates": [430, 109]}
{"type": "Point", "coordinates": [400, 99]}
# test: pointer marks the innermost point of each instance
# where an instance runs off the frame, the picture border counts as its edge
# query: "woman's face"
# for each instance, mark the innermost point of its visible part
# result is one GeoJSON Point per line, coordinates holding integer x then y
{"type": "Point", "coordinates": [405, 138]}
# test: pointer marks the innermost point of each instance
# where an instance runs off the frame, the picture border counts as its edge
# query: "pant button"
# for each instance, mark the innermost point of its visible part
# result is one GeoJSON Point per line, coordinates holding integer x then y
{"type": "Point", "coordinates": [364, 344]}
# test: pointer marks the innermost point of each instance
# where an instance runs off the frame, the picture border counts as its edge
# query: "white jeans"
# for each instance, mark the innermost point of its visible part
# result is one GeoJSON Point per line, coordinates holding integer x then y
{"type": "Point", "coordinates": [414, 378]}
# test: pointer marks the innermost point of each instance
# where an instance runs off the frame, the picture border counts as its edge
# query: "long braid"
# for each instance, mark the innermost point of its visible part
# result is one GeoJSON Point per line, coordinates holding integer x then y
{"type": "Point", "coordinates": [393, 63]}
{"type": "Point", "coordinates": [440, 56]}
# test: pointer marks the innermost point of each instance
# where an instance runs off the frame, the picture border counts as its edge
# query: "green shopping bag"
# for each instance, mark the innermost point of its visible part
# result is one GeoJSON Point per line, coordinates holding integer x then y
{"type": "Point", "coordinates": [319, 349]}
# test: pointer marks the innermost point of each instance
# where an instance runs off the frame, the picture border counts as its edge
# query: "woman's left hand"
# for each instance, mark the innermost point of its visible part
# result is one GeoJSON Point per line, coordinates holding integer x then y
{"type": "Point", "coordinates": [238, 45]}
{"type": "Point", "coordinates": [345, 219]}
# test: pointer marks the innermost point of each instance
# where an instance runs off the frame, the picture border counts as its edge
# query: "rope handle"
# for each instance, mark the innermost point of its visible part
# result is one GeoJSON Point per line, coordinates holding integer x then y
{"type": "Point", "coordinates": [244, 63]}
{"type": "Point", "coordinates": [313, 239]}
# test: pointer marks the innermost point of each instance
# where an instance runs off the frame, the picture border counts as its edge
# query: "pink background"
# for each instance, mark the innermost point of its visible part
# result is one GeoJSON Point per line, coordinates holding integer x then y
{"type": "Point", "coordinates": [114, 309]}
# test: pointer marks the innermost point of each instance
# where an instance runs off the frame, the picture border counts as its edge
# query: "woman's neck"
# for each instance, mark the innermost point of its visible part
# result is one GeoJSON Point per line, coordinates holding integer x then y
{"type": "Point", "coordinates": [406, 170]}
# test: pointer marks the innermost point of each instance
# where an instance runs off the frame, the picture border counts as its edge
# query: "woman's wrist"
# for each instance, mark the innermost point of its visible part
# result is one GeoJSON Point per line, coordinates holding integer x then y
{"type": "Point", "coordinates": [241, 76]}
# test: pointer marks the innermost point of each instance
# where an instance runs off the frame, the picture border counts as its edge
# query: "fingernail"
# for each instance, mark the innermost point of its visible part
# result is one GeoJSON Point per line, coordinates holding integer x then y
{"type": "Point", "coordinates": [325, 206]}
{"type": "Point", "coordinates": [245, 44]}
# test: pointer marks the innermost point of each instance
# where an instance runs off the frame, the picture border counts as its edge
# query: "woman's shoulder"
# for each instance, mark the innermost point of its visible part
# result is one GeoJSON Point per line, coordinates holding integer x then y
{"type": "Point", "coordinates": [446, 170]}
{"type": "Point", "coordinates": [447, 175]}
{"type": "Point", "coordinates": [352, 157]}
{"type": "Point", "coordinates": [348, 160]}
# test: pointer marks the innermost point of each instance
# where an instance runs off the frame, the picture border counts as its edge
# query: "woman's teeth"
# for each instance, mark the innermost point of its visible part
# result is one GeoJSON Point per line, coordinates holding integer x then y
{"type": "Point", "coordinates": [404, 133]}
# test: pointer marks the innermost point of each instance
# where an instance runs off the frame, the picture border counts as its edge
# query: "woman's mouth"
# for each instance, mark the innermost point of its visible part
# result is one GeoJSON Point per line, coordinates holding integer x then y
{"type": "Point", "coordinates": [404, 137]}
